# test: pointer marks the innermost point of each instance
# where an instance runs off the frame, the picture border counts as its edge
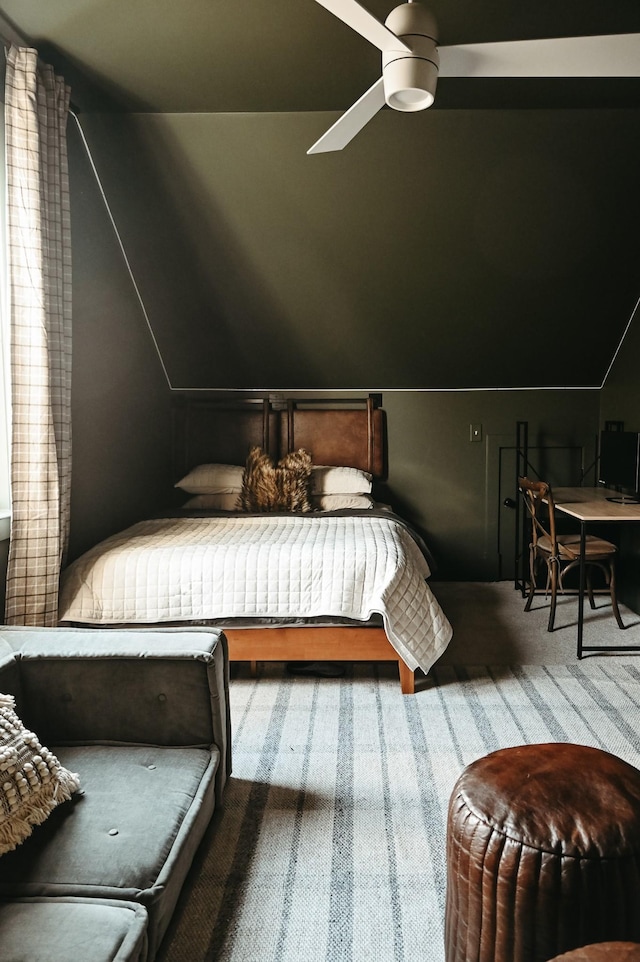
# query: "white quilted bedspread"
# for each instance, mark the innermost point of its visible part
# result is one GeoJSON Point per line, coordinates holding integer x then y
{"type": "Point", "coordinates": [190, 569]}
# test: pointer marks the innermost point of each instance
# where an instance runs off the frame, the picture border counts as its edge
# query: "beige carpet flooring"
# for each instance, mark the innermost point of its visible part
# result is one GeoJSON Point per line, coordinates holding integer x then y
{"type": "Point", "coordinates": [490, 626]}
{"type": "Point", "coordinates": [330, 844]}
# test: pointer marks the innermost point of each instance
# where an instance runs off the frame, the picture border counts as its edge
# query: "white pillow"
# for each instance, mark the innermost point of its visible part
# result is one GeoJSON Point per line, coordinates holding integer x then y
{"type": "Point", "coordinates": [326, 479]}
{"type": "Point", "coordinates": [32, 780]}
{"type": "Point", "coordinates": [338, 502]}
{"type": "Point", "coordinates": [227, 501]}
{"type": "Point", "coordinates": [212, 479]}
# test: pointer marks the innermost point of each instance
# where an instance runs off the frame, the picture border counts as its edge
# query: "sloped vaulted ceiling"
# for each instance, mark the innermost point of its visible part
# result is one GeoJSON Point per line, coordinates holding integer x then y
{"type": "Point", "coordinates": [433, 252]}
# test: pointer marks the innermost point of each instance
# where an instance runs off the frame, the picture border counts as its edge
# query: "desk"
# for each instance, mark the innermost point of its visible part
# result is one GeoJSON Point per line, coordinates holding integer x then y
{"type": "Point", "coordinates": [588, 505]}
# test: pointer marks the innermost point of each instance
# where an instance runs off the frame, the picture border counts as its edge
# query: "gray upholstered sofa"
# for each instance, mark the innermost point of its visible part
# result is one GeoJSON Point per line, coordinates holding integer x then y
{"type": "Point", "coordinates": [143, 718]}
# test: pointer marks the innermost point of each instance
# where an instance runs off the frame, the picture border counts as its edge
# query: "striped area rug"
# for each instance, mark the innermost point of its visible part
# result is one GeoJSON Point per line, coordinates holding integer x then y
{"type": "Point", "coordinates": [331, 845]}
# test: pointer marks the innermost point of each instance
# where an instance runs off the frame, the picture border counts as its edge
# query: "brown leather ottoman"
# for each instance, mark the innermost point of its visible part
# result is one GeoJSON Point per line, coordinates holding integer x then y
{"type": "Point", "coordinates": [543, 854]}
{"type": "Point", "coordinates": [603, 952]}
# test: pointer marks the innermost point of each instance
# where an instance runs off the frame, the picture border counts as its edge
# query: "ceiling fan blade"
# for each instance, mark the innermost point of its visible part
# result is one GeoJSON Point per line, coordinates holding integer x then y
{"type": "Point", "coordinates": [614, 55]}
{"type": "Point", "coordinates": [352, 121]}
{"type": "Point", "coordinates": [359, 19]}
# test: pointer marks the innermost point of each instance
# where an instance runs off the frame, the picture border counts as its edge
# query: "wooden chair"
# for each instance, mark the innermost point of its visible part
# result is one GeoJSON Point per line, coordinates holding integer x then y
{"type": "Point", "coordinates": [561, 552]}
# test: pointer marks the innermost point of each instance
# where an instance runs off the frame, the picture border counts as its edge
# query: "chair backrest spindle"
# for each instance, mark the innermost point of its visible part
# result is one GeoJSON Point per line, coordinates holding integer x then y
{"type": "Point", "coordinates": [537, 496]}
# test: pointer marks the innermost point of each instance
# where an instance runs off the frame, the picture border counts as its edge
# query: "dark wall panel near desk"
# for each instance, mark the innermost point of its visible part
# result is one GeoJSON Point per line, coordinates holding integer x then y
{"type": "Point", "coordinates": [450, 487]}
{"type": "Point", "coordinates": [620, 401]}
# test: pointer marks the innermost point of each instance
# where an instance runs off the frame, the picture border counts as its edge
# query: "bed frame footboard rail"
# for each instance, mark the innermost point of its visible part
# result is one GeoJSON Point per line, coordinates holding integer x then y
{"type": "Point", "coordinates": [348, 643]}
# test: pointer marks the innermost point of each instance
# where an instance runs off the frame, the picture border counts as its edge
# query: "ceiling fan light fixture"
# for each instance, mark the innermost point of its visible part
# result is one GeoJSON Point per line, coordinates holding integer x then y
{"type": "Point", "coordinates": [411, 99]}
{"type": "Point", "coordinates": [408, 40]}
{"type": "Point", "coordinates": [410, 78]}
{"type": "Point", "coordinates": [410, 84]}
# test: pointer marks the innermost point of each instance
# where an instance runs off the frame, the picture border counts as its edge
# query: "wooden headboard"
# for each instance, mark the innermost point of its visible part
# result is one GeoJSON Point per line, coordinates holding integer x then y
{"type": "Point", "coordinates": [345, 432]}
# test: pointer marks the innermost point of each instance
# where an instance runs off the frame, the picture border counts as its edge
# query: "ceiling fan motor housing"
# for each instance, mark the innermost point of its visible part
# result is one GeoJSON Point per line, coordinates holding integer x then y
{"type": "Point", "coordinates": [410, 78]}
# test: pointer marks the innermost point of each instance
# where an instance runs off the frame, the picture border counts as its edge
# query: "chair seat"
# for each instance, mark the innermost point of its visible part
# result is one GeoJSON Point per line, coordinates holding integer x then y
{"type": "Point", "coordinates": [569, 546]}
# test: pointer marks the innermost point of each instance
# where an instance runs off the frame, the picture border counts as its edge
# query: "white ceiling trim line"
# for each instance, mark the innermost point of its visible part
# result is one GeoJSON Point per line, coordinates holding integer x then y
{"type": "Point", "coordinates": [387, 390]}
{"type": "Point", "coordinates": [617, 350]}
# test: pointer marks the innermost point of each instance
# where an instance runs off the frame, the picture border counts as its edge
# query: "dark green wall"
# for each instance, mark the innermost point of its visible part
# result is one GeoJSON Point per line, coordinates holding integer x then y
{"type": "Point", "coordinates": [453, 489]}
{"type": "Point", "coordinates": [120, 395]}
{"type": "Point", "coordinates": [435, 252]}
{"type": "Point", "coordinates": [620, 396]}
{"type": "Point", "coordinates": [448, 486]}
{"type": "Point", "coordinates": [256, 273]}
{"type": "Point", "coordinates": [620, 401]}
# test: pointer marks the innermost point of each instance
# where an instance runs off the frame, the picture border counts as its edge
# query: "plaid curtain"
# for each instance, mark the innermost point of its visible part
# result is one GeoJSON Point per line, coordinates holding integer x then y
{"type": "Point", "coordinates": [39, 266]}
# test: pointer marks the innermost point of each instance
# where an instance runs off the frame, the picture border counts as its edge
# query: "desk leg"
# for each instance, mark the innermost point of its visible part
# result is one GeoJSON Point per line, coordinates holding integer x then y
{"type": "Point", "coordinates": [581, 589]}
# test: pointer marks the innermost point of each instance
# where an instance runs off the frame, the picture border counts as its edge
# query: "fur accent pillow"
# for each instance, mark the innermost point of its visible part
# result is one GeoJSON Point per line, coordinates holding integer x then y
{"type": "Point", "coordinates": [32, 780]}
{"type": "Point", "coordinates": [276, 487]}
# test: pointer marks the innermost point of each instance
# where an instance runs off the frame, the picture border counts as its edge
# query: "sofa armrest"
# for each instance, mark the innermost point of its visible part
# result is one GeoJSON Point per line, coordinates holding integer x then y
{"type": "Point", "coordinates": [164, 686]}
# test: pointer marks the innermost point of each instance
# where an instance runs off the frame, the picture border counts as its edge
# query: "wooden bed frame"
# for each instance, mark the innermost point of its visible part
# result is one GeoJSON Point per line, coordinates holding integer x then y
{"type": "Point", "coordinates": [343, 432]}
{"type": "Point", "coordinates": [339, 643]}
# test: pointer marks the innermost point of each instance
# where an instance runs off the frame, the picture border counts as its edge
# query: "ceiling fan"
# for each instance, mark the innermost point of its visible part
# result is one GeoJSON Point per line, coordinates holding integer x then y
{"type": "Point", "coordinates": [412, 62]}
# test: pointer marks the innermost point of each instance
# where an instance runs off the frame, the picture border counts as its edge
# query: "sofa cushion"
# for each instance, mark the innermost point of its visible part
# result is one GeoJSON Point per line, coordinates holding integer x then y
{"type": "Point", "coordinates": [130, 834]}
{"type": "Point", "coordinates": [57, 930]}
{"type": "Point", "coordinates": [32, 780]}
{"type": "Point", "coordinates": [76, 685]}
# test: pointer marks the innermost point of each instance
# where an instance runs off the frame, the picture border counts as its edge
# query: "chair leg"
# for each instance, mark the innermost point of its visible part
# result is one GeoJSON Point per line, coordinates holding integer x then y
{"type": "Point", "coordinates": [553, 563]}
{"type": "Point", "coordinates": [614, 596]}
{"type": "Point", "coordinates": [532, 578]}
{"type": "Point", "coordinates": [592, 601]}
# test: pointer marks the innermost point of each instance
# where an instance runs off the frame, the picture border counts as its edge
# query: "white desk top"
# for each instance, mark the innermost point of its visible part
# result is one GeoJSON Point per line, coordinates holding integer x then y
{"type": "Point", "coordinates": [591, 504]}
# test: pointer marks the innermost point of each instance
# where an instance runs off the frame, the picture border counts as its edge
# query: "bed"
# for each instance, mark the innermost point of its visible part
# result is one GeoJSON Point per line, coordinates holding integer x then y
{"type": "Point", "coordinates": [344, 581]}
